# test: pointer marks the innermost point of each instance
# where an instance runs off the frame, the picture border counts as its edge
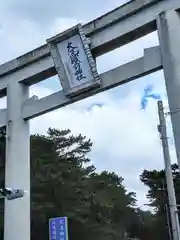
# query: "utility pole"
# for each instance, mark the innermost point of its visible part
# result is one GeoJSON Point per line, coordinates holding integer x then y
{"type": "Point", "coordinates": [167, 210]}
{"type": "Point", "coordinates": [168, 172]}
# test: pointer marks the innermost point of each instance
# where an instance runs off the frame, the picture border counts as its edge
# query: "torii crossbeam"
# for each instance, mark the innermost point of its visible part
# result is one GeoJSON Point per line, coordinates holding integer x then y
{"type": "Point", "coordinates": [114, 29]}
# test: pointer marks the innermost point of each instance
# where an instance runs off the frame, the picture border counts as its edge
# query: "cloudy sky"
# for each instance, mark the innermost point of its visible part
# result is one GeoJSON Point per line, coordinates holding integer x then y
{"type": "Point", "coordinates": [125, 137]}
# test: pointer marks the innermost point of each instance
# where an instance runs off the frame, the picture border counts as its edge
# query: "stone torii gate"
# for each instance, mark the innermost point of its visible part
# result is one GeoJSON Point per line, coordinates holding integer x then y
{"type": "Point", "coordinates": [80, 80]}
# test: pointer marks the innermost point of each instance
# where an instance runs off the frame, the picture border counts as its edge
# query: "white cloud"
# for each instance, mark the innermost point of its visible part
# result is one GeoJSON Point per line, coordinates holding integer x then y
{"type": "Point", "coordinates": [125, 138]}
{"type": "Point", "coordinates": [44, 12]}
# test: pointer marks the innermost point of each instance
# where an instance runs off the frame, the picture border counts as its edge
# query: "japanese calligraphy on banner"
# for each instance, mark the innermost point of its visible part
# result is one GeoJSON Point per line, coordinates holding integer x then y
{"type": "Point", "coordinates": [58, 228]}
{"type": "Point", "coordinates": [75, 61]}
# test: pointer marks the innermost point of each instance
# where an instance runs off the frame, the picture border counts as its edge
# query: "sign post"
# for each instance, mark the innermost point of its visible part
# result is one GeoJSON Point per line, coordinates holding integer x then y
{"type": "Point", "coordinates": [58, 228]}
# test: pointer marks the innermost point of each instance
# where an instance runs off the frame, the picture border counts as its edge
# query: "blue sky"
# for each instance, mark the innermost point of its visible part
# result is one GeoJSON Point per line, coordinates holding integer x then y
{"type": "Point", "coordinates": [125, 137]}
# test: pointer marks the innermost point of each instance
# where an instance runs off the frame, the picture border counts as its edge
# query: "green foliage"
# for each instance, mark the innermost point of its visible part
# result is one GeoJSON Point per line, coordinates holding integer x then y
{"type": "Point", "coordinates": [157, 194]}
{"type": "Point", "coordinates": [64, 183]}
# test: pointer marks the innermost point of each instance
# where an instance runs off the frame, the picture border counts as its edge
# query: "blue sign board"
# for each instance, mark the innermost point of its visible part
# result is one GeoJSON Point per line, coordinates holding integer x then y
{"type": "Point", "coordinates": [58, 228]}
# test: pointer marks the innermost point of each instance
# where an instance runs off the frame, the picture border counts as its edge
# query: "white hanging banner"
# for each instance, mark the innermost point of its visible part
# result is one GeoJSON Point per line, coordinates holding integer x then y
{"type": "Point", "coordinates": [73, 60]}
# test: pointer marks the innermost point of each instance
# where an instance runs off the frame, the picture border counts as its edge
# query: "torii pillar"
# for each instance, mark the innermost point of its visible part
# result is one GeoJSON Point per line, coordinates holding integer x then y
{"type": "Point", "coordinates": [17, 170]}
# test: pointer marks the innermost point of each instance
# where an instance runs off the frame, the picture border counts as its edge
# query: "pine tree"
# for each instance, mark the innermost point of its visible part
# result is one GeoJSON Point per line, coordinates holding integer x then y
{"type": "Point", "coordinates": [65, 183]}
